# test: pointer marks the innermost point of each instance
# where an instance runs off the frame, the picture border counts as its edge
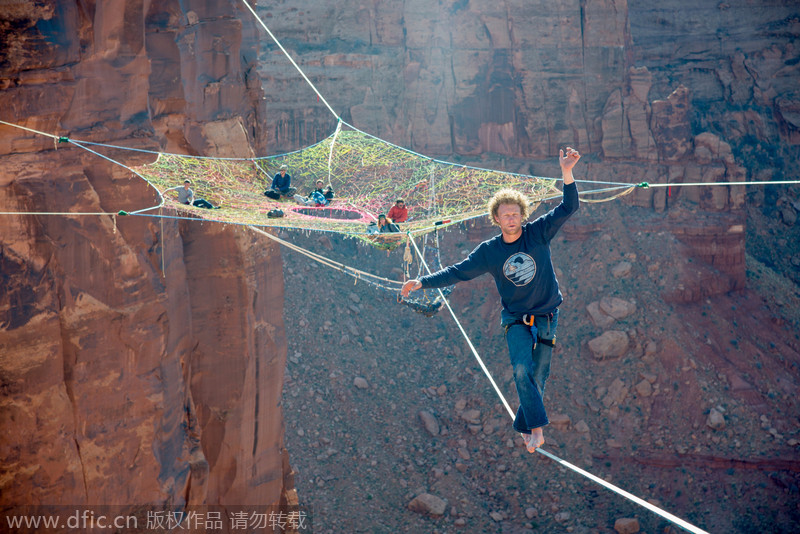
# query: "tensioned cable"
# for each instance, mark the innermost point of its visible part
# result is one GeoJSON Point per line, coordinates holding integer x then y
{"type": "Point", "coordinates": [378, 281]}
{"type": "Point", "coordinates": [30, 130]}
{"type": "Point", "coordinates": [61, 213]}
{"type": "Point", "coordinates": [81, 143]}
{"type": "Point", "coordinates": [330, 152]}
{"type": "Point", "coordinates": [672, 518]}
{"type": "Point", "coordinates": [699, 184]}
{"type": "Point", "coordinates": [471, 216]}
{"type": "Point", "coordinates": [621, 194]}
{"type": "Point", "coordinates": [357, 273]}
{"type": "Point", "coordinates": [618, 185]}
{"type": "Point", "coordinates": [338, 118]}
{"type": "Point", "coordinates": [59, 139]}
{"type": "Point", "coordinates": [303, 74]}
{"type": "Point", "coordinates": [160, 196]}
{"type": "Point", "coordinates": [466, 337]}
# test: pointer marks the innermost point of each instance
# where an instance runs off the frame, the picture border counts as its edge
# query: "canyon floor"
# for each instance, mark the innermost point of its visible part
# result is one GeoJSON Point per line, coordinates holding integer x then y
{"type": "Point", "coordinates": [362, 367]}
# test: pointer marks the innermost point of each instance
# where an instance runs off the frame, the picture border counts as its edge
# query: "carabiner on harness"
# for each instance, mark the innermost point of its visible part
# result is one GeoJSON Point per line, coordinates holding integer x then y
{"type": "Point", "coordinates": [529, 321]}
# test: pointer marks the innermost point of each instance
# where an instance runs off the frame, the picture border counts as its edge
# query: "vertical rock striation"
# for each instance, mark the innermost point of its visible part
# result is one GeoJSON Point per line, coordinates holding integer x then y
{"type": "Point", "coordinates": [658, 93]}
{"type": "Point", "coordinates": [141, 359]}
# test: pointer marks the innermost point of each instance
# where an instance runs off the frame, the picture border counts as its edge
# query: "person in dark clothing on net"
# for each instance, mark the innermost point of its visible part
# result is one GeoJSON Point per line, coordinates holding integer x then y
{"type": "Point", "coordinates": [519, 260]}
{"type": "Point", "coordinates": [281, 185]}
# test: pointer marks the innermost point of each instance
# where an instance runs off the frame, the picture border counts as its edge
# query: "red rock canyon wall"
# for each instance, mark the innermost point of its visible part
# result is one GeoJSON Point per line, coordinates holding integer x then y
{"type": "Point", "coordinates": [141, 360]}
{"type": "Point", "coordinates": [657, 93]}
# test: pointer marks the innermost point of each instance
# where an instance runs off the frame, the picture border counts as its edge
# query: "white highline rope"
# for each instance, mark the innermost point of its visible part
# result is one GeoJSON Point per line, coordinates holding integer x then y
{"type": "Point", "coordinates": [29, 129]}
{"type": "Point", "coordinates": [674, 519]}
{"type": "Point", "coordinates": [65, 213]}
{"type": "Point", "coordinates": [697, 184]}
{"type": "Point", "coordinates": [330, 153]}
{"type": "Point", "coordinates": [466, 337]}
{"type": "Point", "coordinates": [303, 74]}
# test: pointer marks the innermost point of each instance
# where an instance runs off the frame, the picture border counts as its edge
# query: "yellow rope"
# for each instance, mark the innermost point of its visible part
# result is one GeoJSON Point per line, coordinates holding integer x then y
{"type": "Point", "coordinates": [607, 199]}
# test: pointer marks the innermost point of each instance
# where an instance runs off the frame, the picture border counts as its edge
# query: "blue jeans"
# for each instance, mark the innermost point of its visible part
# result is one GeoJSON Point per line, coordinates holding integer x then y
{"type": "Point", "coordinates": [530, 359]}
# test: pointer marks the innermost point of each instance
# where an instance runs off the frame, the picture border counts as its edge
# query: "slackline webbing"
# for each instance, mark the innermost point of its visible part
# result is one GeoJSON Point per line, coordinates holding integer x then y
{"type": "Point", "coordinates": [641, 502]}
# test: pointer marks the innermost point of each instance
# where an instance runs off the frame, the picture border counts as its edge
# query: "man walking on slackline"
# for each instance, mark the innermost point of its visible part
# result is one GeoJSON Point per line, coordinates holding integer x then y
{"type": "Point", "coordinates": [519, 260]}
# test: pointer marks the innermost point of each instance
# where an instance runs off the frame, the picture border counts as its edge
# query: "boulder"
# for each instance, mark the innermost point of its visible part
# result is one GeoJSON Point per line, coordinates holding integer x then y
{"type": "Point", "coordinates": [616, 393]}
{"type": "Point", "coordinates": [622, 269]}
{"type": "Point", "coordinates": [644, 389]}
{"type": "Point", "coordinates": [472, 416]}
{"type": "Point", "coordinates": [425, 503]}
{"type": "Point", "coordinates": [715, 419]}
{"type": "Point", "coordinates": [429, 422]}
{"type": "Point", "coordinates": [788, 216]}
{"type": "Point", "coordinates": [617, 308]}
{"type": "Point", "coordinates": [626, 525]}
{"type": "Point", "coordinates": [598, 316]}
{"type": "Point", "coordinates": [360, 383]}
{"type": "Point", "coordinates": [559, 421]}
{"type": "Point", "coordinates": [611, 344]}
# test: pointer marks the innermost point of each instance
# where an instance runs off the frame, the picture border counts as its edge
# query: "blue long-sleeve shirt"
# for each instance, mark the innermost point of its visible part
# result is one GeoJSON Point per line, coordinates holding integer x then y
{"type": "Point", "coordinates": [281, 183]}
{"type": "Point", "coordinates": [522, 270]}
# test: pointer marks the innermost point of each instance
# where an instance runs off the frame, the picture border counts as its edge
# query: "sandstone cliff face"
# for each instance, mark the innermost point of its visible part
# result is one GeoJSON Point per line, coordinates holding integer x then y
{"type": "Point", "coordinates": [649, 93]}
{"type": "Point", "coordinates": [517, 78]}
{"type": "Point", "coordinates": [141, 359]}
{"type": "Point", "coordinates": [124, 311]}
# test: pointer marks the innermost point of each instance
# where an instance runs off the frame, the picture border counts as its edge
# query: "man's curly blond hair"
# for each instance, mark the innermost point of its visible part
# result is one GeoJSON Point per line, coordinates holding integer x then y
{"type": "Point", "coordinates": [507, 196]}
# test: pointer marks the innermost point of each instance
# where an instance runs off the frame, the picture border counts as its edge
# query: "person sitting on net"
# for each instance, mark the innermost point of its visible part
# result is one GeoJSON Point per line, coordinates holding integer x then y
{"type": "Point", "coordinates": [318, 197]}
{"type": "Point", "coordinates": [399, 212]}
{"type": "Point", "coordinates": [386, 225]}
{"type": "Point", "coordinates": [281, 185]}
{"type": "Point", "coordinates": [186, 196]}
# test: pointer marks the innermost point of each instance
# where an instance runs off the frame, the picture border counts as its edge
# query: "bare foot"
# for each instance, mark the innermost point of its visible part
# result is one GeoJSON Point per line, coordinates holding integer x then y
{"type": "Point", "coordinates": [534, 440]}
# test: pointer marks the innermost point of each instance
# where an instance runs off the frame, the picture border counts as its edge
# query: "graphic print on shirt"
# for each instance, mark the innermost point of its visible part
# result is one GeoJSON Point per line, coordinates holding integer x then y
{"type": "Point", "coordinates": [520, 269]}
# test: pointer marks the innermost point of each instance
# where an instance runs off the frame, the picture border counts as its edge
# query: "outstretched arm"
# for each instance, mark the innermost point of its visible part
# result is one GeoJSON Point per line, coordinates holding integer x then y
{"type": "Point", "coordinates": [551, 221]}
{"type": "Point", "coordinates": [567, 162]}
{"type": "Point", "coordinates": [474, 265]}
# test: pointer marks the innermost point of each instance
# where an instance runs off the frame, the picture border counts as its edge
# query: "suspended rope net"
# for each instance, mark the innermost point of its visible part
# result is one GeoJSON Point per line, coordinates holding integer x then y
{"type": "Point", "coordinates": [367, 175]}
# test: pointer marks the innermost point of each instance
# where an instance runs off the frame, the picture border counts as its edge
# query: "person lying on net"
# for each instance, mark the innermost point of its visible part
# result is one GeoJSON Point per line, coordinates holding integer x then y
{"type": "Point", "coordinates": [318, 197]}
{"type": "Point", "coordinates": [186, 196]}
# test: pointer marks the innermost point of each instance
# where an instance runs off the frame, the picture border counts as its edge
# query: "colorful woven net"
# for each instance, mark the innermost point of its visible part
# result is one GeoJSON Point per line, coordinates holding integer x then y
{"type": "Point", "coordinates": [367, 175]}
